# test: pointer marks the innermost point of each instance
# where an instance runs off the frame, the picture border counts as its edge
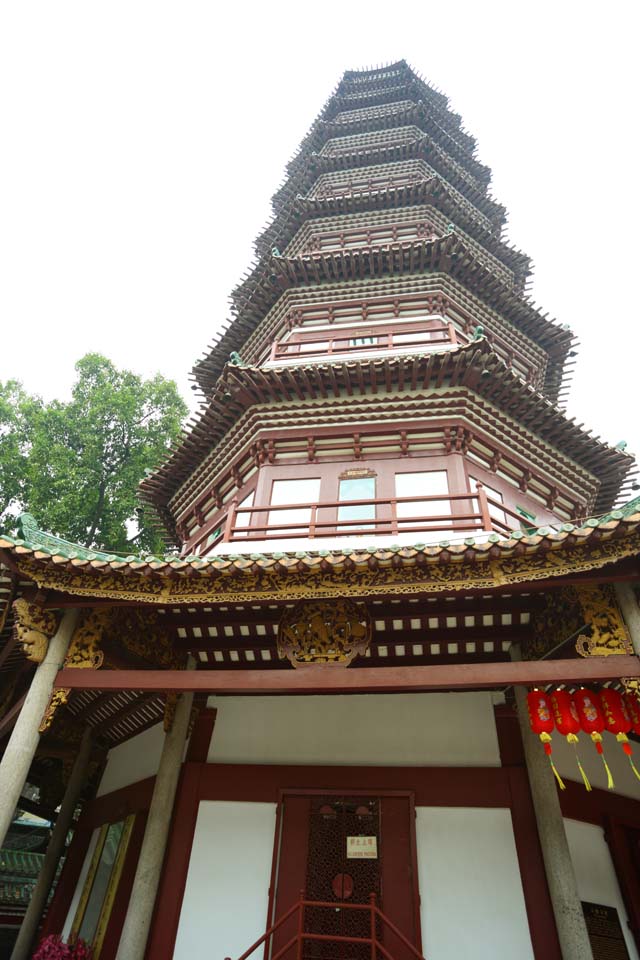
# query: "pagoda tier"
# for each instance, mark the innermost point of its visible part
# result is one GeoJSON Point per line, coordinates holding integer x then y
{"type": "Point", "coordinates": [384, 374]}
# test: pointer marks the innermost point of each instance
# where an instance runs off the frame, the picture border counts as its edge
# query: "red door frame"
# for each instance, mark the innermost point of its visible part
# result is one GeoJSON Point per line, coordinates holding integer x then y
{"type": "Point", "coordinates": [372, 794]}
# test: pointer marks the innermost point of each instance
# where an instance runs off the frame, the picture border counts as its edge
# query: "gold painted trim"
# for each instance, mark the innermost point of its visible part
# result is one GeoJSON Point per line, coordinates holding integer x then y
{"type": "Point", "coordinates": [88, 883]}
{"type": "Point", "coordinates": [357, 581]}
{"type": "Point", "coordinates": [112, 888]}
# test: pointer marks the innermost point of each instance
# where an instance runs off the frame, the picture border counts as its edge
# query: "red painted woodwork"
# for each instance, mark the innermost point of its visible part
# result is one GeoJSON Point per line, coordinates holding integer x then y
{"type": "Point", "coordinates": [200, 738]}
{"type": "Point", "coordinates": [307, 860]}
{"type": "Point", "coordinates": [467, 513]}
{"type": "Point", "coordinates": [164, 927]}
{"type": "Point", "coordinates": [124, 890]}
{"type": "Point", "coordinates": [59, 907]}
{"type": "Point", "coordinates": [321, 679]}
{"type": "Point", "coordinates": [540, 917]}
{"type": "Point", "coordinates": [370, 935]}
{"type": "Point", "coordinates": [291, 876]}
{"type": "Point", "coordinates": [624, 846]}
{"type": "Point", "coordinates": [400, 899]}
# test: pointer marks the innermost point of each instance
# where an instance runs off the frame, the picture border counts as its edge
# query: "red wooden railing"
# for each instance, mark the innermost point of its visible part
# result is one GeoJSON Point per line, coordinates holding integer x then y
{"type": "Point", "coordinates": [328, 345]}
{"type": "Point", "coordinates": [302, 935]}
{"type": "Point", "coordinates": [386, 519]}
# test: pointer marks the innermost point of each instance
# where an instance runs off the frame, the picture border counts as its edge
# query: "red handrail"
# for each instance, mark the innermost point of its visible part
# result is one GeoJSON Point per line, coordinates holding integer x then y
{"type": "Point", "coordinates": [301, 934]}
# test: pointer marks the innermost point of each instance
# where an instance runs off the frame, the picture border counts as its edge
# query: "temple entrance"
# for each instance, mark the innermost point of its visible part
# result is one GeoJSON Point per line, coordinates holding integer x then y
{"type": "Point", "coordinates": [340, 849]}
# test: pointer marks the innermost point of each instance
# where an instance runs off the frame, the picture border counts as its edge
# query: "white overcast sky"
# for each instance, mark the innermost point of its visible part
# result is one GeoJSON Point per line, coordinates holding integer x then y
{"type": "Point", "coordinates": [141, 143]}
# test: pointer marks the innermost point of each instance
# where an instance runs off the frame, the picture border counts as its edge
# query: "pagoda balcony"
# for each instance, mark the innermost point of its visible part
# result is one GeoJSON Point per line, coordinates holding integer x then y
{"type": "Point", "coordinates": [389, 520]}
{"type": "Point", "coordinates": [354, 344]}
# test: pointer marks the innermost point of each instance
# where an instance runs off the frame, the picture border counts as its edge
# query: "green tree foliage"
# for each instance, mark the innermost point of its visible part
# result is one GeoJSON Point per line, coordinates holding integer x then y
{"type": "Point", "coordinates": [76, 465]}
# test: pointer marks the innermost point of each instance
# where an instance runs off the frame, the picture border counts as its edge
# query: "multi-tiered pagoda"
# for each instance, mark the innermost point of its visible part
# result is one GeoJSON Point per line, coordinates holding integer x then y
{"type": "Point", "coordinates": [388, 530]}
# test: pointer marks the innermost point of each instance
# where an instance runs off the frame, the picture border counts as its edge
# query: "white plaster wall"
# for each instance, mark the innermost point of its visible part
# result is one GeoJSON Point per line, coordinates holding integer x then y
{"type": "Point", "coordinates": [595, 873]}
{"type": "Point", "coordinates": [432, 729]}
{"type": "Point", "coordinates": [472, 904]}
{"type": "Point", "coordinates": [226, 896]}
{"type": "Point", "coordinates": [135, 759]}
{"type": "Point", "coordinates": [66, 930]}
{"type": "Point", "coordinates": [623, 776]}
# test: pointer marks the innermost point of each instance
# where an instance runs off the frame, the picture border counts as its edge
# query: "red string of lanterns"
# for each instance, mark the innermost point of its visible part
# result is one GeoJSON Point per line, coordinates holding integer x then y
{"type": "Point", "coordinates": [587, 711]}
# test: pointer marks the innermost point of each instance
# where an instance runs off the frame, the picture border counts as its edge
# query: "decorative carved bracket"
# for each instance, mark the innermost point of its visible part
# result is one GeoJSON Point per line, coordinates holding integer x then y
{"type": "Point", "coordinates": [33, 628]}
{"type": "Point", "coordinates": [608, 631]}
{"type": "Point", "coordinates": [321, 631]}
{"type": "Point", "coordinates": [84, 651]}
{"type": "Point", "coordinates": [590, 613]}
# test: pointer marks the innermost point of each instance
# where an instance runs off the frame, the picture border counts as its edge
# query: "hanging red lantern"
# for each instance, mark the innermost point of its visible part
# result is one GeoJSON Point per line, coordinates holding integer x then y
{"type": "Point", "coordinates": [618, 721]}
{"type": "Point", "coordinates": [632, 704]}
{"type": "Point", "coordinates": [592, 722]}
{"type": "Point", "coordinates": [541, 722]}
{"type": "Point", "coordinates": [567, 723]}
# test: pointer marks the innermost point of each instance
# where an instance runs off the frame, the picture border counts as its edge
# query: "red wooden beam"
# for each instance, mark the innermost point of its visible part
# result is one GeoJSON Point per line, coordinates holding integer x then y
{"type": "Point", "coordinates": [330, 679]}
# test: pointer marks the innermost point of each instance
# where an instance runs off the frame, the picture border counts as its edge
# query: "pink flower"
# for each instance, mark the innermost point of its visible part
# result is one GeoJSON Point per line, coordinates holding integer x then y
{"type": "Point", "coordinates": [54, 948]}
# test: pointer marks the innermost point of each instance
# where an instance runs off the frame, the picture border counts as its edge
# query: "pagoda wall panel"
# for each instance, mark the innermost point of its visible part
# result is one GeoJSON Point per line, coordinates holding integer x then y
{"type": "Point", "coordinates": [394, 730]}
{"type": "Point", "coordinates": [595, 873]}
{"type": "Point", "coordinates": [225, 903]}
{"type": "Point", "coordinates": [438, 408]}
{"type": "Point", "coordinates": [309, 238]}
{"type": "Point", "coordinates": [444, 292]}
{"type": "Point", "coordinates": [384, 176]}
{"type": "Point", "coordinates": [134, 760]}
{"type": "Point", "coordinates": [472, 903]}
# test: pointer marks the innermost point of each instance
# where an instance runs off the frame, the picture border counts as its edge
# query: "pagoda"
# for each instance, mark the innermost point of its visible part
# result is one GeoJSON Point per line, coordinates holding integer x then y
{"type": "Point", "coordinates": [304, 731]}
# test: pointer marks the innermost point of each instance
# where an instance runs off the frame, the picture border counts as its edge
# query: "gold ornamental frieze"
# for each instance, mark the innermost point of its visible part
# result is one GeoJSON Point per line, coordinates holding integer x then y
{"type": "Point", "coordinates": [607, 631]}
{"type": "Point", "coordinates": [33, 628]}
{"type": "Point", "coordinates": [345, 577]}
{"type": "Point", "coordinates": [84, 652]}
{"type": "Point", "coordinates": [321, 631]}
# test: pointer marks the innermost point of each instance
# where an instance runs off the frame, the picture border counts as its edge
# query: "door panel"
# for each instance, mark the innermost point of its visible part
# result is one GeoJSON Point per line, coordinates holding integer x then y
{"type": "Point", "coordinates": [316, 854]}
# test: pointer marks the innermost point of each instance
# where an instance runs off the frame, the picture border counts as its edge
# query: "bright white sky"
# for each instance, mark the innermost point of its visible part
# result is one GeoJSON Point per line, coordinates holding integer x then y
{"type": "Point", "coordinates": [142, 142]}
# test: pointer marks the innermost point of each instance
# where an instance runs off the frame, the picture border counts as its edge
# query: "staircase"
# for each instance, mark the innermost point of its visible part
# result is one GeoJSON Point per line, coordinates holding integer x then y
{"type": "Point", "coordinates": [295, 948]}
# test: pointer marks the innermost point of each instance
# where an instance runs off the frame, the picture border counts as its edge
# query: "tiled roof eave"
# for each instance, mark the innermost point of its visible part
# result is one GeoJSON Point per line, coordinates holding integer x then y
{"type": "Point", "coordinates": [620, 526]}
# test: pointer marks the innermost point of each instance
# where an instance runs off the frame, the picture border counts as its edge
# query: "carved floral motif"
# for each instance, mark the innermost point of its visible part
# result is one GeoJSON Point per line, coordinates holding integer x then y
{"type": "Point", "coordinates": [322, 632]}
{"type": "Point", "coordinates": [33, 626]}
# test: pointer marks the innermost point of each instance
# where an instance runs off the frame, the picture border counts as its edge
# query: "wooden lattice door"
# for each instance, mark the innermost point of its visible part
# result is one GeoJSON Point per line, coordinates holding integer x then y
{"type": "Point", "coordinates": [313, 855]}
{"type": "Point", "coordinates": [343, 866]}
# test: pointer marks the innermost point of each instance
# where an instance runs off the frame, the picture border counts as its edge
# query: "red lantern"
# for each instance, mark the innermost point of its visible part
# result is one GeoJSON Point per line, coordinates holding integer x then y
{"type": "Point", "coordinates": [592, 722]}
{"type": "Point", "coordinates": [618, 721]}
{"type": "Point", "coordinates": [632, 704]}
{"type": "Point", "coordinates": [567, 722]}
{"type": "Point", "coordinates": [541, 722]}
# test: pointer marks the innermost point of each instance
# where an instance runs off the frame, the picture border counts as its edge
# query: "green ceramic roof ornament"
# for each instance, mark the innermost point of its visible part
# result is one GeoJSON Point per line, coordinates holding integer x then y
{"type": "Point", "coordinates": [621, 445]}
{"type": "Point", "coordinates": [478, 332]}
{"type": "Point", "coordinates": [236, 360]}
{"type": "Point", "coordinates": [451, 227]}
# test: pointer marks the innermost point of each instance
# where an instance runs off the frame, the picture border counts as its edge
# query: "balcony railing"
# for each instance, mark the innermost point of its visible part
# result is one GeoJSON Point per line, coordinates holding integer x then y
{"type": "Point", "coordinates": [465, 513]}
{"type": "Point", "coordinates": [435, 333]}
{"type": "Point", "coordinates": [378, 924]}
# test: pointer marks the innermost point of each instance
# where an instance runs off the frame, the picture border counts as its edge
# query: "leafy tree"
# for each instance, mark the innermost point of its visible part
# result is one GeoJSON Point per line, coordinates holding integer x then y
{"type": "Point", "coordinates": [76, 465]}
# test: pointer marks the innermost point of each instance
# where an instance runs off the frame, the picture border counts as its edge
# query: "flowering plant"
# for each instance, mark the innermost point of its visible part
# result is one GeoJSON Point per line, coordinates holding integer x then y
{"type": "Point", "coordinates": [54, 948]}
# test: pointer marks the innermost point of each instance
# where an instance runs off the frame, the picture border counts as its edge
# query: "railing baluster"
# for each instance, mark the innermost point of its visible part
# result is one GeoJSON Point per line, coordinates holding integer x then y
{"type": "Point", "coordinates": [300, 925]}
{"type": "Point", "coordinates": [372, 924]}
{"type": "Point", "coordinates": [230, 521]}
{"type": "Point", "coordinates": [484, 508]}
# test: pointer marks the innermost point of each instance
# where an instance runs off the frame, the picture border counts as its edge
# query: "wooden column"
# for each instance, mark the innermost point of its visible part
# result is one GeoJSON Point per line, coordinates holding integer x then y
{"type": "Point", "coordinates": [133, 940]}
{"type": "Point", "coordinates": [25, 736]}
{"type": "Point", "coordinates": [31, 920]}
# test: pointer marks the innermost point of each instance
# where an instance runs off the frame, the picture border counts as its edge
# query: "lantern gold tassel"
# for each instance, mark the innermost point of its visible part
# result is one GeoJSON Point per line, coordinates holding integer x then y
{"type": "Point", "coordinates": [597, 739]}
{"type": "Point", "coordinates": [572, 739]}
{"type": "Point", "coordinates": [626, 746]}
{"type": "Point", "coordinates": [546, 741]}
